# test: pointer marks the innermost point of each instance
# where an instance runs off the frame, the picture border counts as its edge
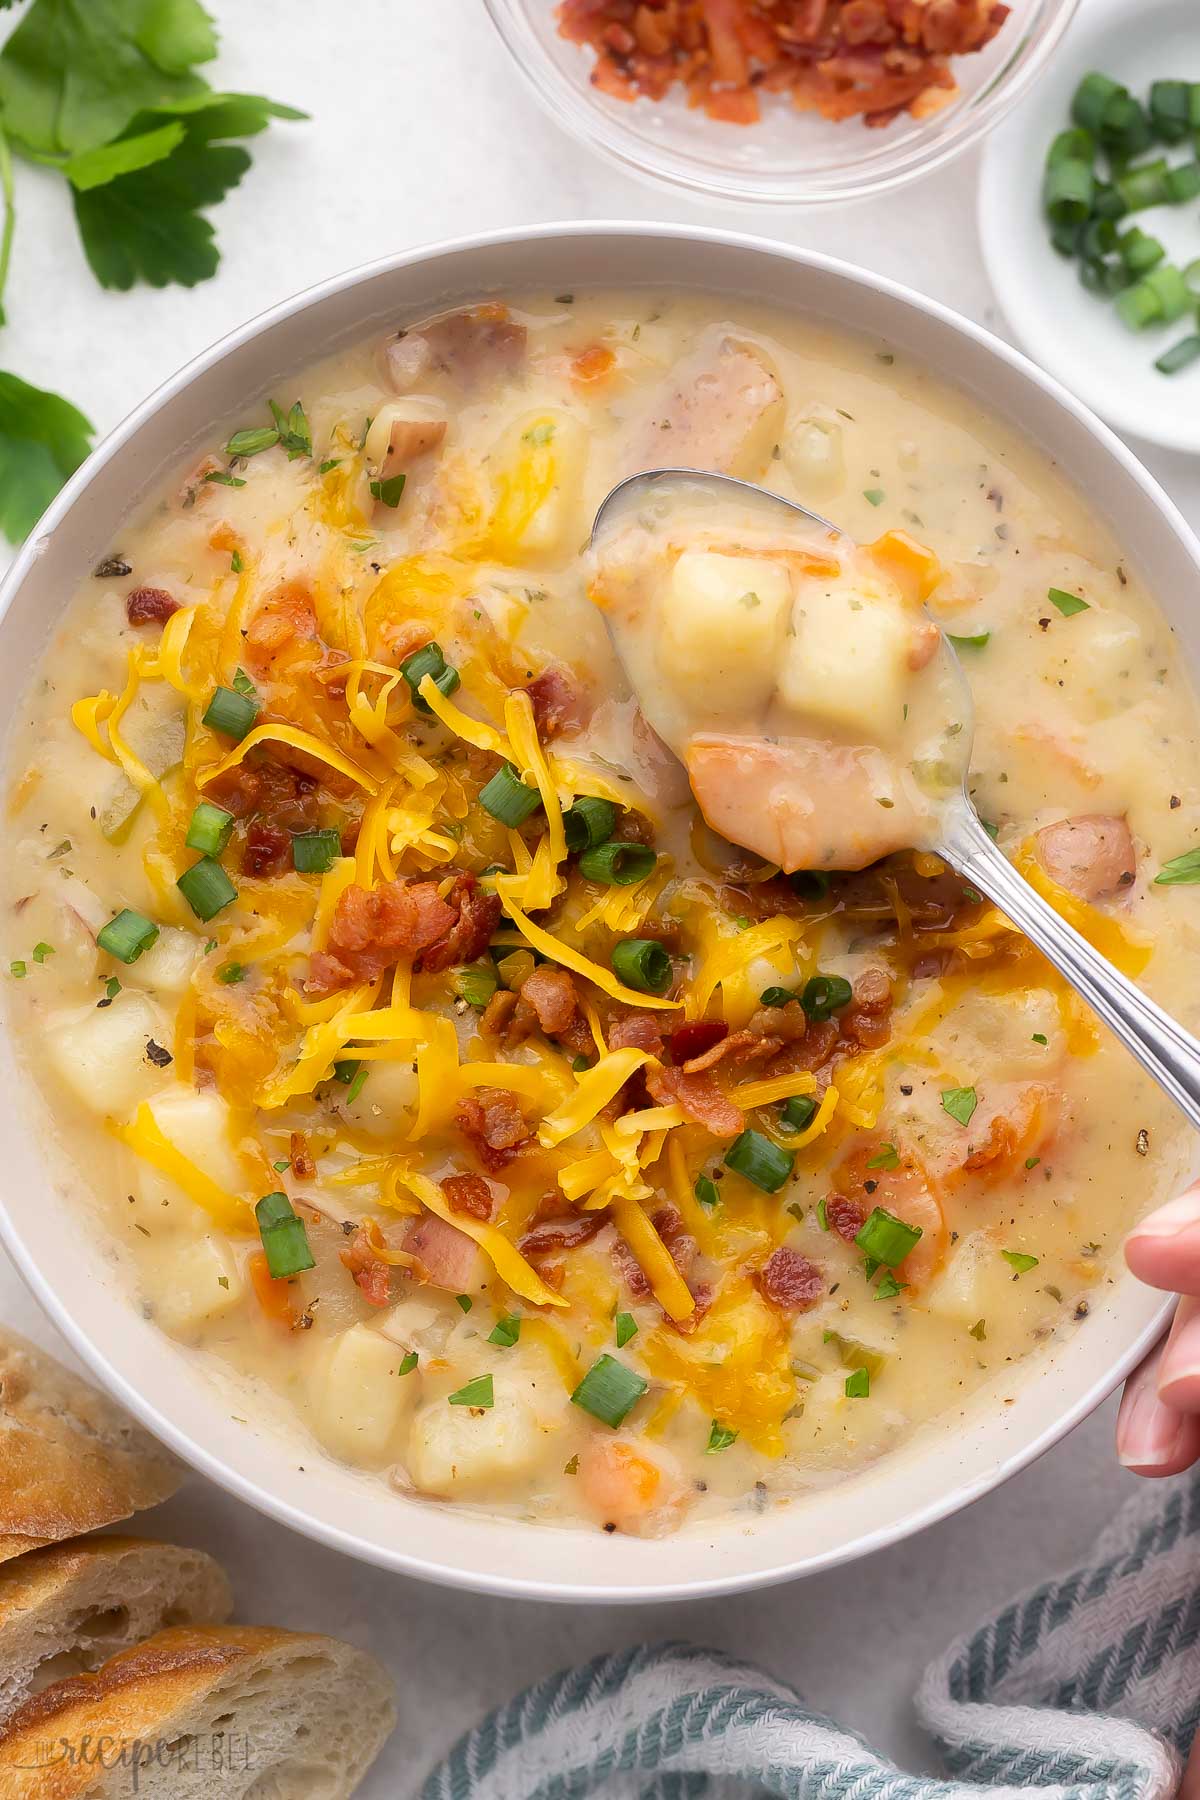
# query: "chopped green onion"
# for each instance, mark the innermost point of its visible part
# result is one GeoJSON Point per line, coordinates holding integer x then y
{"type": "Point", "coordinates": [356, 1086]}
{"type": "Point", "coordinates": [230, 973]}
{"type": "Point", "coordinates": [283, 1236]}
{"type": "Point", "coordinates": [477, 1393]}
{"type": "Point", "coordinates": [706, 1191]}
{"type": "Point", "coordinates": [388, 492]}
{"type": "Point", "coordinates": [112, 988]}
{"type": "Point", "coordinates": [1170, 109]}
{"type": "Point", "coordinates": [127, 935]}
{"type": "Point", "coordinates": [858, 1385]}
{"type": "Point", "coordinates": [960, 1103]}
{"type": "Point", "coordinates": [428, 661]}
{"type": "Point", "coordinates": [1039, 1037]}
{"type": "Point", "coordinates": [759, 1160]}
{"type": "Point", "coordinates": [888, 1287]}
{"type": "Point", "coordinates": [42, 951]}
{"type": "Point", "coordinates": [315, 852]}
{"type": "Point", "coordinates": [642, 964]}
{"type": "Point", "coordinates": [1092, 98]}
{"type": "Point", "coordinates": [825, 994]}
{"type": "Point", "coordinates": [1144, 186]}
{"type": "Point", "coordinates": [886, 1239]}
{"type": "Point", "coordinates": [507, 798]}
{"type": "Point", "coordinates": [1067, 604]}
{"type": "Point", "coordinates": [1181, 871]}
{"type": "Point", "coordinates": [798, 1113]}
{"type": "Point", "coordinates": [464, 1302]}
{"type": "Point", "coordinates": [1065, 237]}
{"type": "Point", "coordinates": [1139, 251]}
{"type": "Point", "coordinates": [852, 1353]}
{"type": "Point", "coordinates": [976, 642]}
{"type": "Point", "coordinates": [719, 1438]}
{"type": "Point", "coordinates": [206, 887]}
{"type": "Point", "coordinates": [1073, 145]}
{"type": "Point", "coordinates": [253, 442]}
{"type": "Point", "coordinates": [1174, 295]}
{"type": "Point", "coordinates": [588, 823]}
{"type": "Point", "coordinates": [506, 1331]}
{"type": "Point", "coordinates": [617, 864]}
{"type": "Point", "coordinates": [18, 970]}
{"type": "Point", "coordinates": [1098, 239]}
{"type": "Point", "coordinates": [609, 1391]}
{"type": "Point", "coordinates": [886, 1157]}
{"type": "Point", "coordinates": [776, 996]}
{"type": "Point", "coordinates": [210, 829]}
{"type": "Point", "coordinates": [1020, 1260]}
{"type": "Point", "coordinates": [1183, 183]}
{"type": "Point", "coordinates": [1125, 130]}
{"type": "Point", "coordinates": [626, 1328]}
{"type": "Point", "coordinates": [231, 713]}
{"type": "Point", "coordinates": [408, 1363]}
{"type": "Point", "coordinates": [1139, 306]}
{"type": "Point", "coordinates": [474, 984]}
{"type": "Point", "coordinates": [1067, 191]}
{"type": "Point", "coordinates": [1179, 356]}
{"type": "Point", "coordinates": [345, 1071]}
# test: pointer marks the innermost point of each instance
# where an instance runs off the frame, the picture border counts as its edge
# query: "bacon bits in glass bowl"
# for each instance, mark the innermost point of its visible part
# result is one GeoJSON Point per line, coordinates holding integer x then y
{"type": "Point", "coordinates": [795, 102]}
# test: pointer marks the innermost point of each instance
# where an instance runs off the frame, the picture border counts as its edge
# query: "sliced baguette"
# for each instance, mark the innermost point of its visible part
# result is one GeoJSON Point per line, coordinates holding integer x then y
{"type": "Point", "coordinates": [65, 1609]}
{"type": "Point", "coordinates": [70, 1459]}
{"type": "Point", "coordinates": [234, 1710]}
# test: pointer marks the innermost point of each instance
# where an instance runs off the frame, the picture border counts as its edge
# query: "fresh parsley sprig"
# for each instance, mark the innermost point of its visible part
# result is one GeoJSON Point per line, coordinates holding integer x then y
{"type": "Point", "coordinates": [108, 93]}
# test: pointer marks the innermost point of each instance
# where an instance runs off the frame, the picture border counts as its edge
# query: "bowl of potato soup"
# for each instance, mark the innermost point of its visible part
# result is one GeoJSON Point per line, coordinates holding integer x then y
{"type": "Point", "coordinates": [417, 1111]}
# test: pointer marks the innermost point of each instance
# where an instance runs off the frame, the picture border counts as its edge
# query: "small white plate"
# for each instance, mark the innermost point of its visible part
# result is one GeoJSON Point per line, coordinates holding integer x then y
{"type": "Point", "coordinates": [1076, 335]}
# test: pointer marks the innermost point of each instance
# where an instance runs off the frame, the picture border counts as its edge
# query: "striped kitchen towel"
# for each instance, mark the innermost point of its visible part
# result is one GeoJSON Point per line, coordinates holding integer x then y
{"type": "Point", "coordinates": [1084, 1688]}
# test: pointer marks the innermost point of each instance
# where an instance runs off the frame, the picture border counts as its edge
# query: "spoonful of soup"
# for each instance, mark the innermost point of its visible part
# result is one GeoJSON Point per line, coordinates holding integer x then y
{"type": "Point", "coordinates": [822, 716]}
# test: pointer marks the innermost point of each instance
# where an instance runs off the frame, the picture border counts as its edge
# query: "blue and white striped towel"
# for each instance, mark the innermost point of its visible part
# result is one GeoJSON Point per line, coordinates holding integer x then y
{"type": "Point", "coordinates": [1085, 1688]}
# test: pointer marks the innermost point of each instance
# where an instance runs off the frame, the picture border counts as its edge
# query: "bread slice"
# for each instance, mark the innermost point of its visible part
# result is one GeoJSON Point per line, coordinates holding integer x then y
{"type": "Point", "coordinates": [67, 1608]}
{"type": "Point", "coordinates": [234, 1710]}
{"type": "Point", "coordinates": [70, 1459]}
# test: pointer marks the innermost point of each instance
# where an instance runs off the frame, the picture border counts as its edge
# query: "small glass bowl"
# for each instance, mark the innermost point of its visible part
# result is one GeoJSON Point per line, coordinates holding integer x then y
{"type": "Point", "coordinates": [789, 158]}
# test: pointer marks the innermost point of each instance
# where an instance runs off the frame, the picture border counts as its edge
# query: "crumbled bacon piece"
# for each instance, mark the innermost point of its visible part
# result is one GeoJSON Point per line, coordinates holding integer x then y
{"type": "Point", "coordinates": [270, 789]}
{"type": "Point", "coordinates": [704, 1293]}
{"type": "Point", "coordinates": [866, 1023]}
{"type": "Point", "coordinates": [268, 849]}
{"type": "Point", "coordinates": [558, 705]}
{"type": "Point", "coordinates": [636, 1031]}
{"type": "Point", "coordinates": [284, 619]}
{"type": "Point", "coordinates": [303, 1166]}
{"type": "Point", "coordinates": [468, 1194]}
{"type": "Point", "coordinates": [700, 1098]}
{"type": "Point", "coordinates": [790, 1281]}
{"type": "Point", "coordinates": [844, 1216]}
{"type": "Point", "coordinates": [840, 58]}
{"type": "Point", "coordinates": [149, 606]}
{"type": "Point", "coordinates": [497, 1014]}
{"type": "Point", "coordinates": [470, 933]}
{"type": "Point", "coordinates": [788, 1024]}
{"type": "Point", "coordinates": [371, 1273]}
{"type": "Point", "coordinates": [445, 1256]}
{"type": "Point", "coordinates": [550, 995]}
{"type": "Point", "coordinates": [631, 1269]}
{"type": "Point", "coordinates": [740, 1046]}
{"type": "Point", "coordinates": [561, 1234]}
{"type": "Point", "coordinates": [696, 1040]}
{"type": "Point", "coordinates": [668, 1222]}
{"type": "Point", "coordinates": [492, 1121]}
{"type": "Point", "coordinates": [372, 928]}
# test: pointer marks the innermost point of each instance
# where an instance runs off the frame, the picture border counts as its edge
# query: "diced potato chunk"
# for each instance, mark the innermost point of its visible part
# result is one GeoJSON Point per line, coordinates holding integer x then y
{"type": "Point", "coordinates": [198, 1126]}
{"type": "Point", "coordinates": [191, 1282]}
{"type": "Point", "coordinates": [360, 1399]}
{"type": "Point", "coordinates": [538, 486]}
{"type": "Point", "coordinates": [847, 661]}
{"type": "Point", "coordinates": [100, 1052]}
{"type": "Point", "coordinates": [387, 1099]}
{"type": "Point", "coordinates": [721, 631]}
{"type": "Point", "coordinates": [455, 1450]}
{"type": "Point", "coordinates": [975, 1284]}
{"type": "Point", "coordinates": [166, 968]}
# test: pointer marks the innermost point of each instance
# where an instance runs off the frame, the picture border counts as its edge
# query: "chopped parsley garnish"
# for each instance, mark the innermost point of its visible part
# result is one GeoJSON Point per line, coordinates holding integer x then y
{"type": "Point", "coordinates": [1067, 604]}
{"type": "Point", "coordinates": [960, 1103]}
{"type": "Point", "coordinates": [1039, 1037]}
{"type": "Point", "coordinates": [719, 1438]}
{"type": "Point", "coordinates": [388, 492]}
{"type": "Point", "coordinates": [1020, 1260]}
{"type": "Point", "coordinates": [295, 434]}
{"type": "Point", "coordinates": [876, 496]}
{"type": "Point", "coordinates": [408, 1363]}
{"type": "Point", "coordinates": [626, 1328]}
{"type": "Point", "coordinates": [1181, 871]}
{"type": "Point", "coordinates": [231, 973]}
{"type": "Point", "coordinates": [858, 1384]}
{"type": "Point", "coordinates": [706, 1191]}
{"type": "Point", "coordinates": [886, 1157]}
{"type": "Point", "coordinates": [476, 1393]}
{"type": "Point", "coordinates": [506, 1331]}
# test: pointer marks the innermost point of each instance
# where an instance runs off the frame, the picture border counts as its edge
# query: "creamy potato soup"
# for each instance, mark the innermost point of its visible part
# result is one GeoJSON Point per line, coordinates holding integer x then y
{"type": "Point", "coordinates": [439, 1071]}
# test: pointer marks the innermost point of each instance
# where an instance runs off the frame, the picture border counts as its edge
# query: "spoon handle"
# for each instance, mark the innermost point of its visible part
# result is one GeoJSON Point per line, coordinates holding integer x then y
{"type": "Point", "coordinates": [1162, 1046]}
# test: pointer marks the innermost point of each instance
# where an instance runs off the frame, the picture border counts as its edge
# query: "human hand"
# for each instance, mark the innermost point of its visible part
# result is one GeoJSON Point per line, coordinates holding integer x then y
{"type": "Point", "coordinates": [1158, 1426]}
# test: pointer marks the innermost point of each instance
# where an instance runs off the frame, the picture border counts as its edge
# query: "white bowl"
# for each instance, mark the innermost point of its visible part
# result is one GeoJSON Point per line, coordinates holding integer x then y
{"type": "Point", "coordinates": [72, 1274]}
{"type": "Point", "coordinates": [1076, 335]}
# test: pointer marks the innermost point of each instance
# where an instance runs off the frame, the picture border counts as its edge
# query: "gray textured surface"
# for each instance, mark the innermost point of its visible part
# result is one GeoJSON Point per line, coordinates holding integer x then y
{"type": "Point", "coordinates": [421, 129]}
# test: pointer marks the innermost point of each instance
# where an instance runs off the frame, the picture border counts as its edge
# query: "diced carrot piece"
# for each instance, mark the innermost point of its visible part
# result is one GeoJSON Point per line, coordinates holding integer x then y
{"type": "Point", "coordinates": [273, 1294]}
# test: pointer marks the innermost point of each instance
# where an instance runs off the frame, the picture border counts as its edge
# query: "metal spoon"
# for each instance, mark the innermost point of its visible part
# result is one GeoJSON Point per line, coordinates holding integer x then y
{"type": "Point", "coordinates": [1162, 1046]}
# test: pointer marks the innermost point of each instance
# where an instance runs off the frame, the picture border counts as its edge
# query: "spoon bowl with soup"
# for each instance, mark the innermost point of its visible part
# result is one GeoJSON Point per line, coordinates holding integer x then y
{"type": "Point", "coordinates": [822, 715]}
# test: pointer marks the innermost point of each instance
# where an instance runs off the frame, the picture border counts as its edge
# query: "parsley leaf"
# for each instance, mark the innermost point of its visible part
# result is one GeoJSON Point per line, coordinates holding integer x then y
{"type": "Point", "coordinates": [146, 226]}
{"type": "Point", "coordinates": [960, 1103]}
{"type": "Point", "coordinates": [75, 72]}
{"type": "Point", "coordinates": [43, 440]}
